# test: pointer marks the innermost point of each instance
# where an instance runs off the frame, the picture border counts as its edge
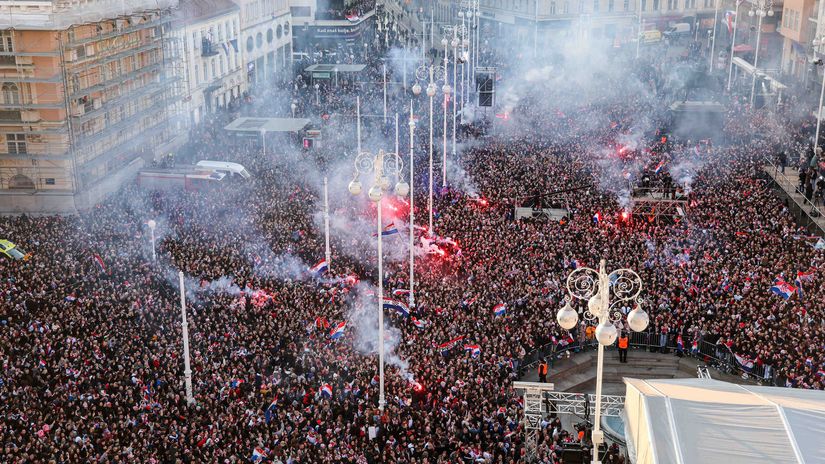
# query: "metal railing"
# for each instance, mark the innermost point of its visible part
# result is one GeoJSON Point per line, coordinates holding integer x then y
{"type": "Point", "coordinates": [715, 356]}
{"type": "Point", "coordinates": [812, 212]}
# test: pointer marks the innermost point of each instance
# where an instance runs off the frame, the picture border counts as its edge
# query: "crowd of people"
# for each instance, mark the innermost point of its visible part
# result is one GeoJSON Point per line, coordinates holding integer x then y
{"type": "Point", "coordinates": [90, 326]}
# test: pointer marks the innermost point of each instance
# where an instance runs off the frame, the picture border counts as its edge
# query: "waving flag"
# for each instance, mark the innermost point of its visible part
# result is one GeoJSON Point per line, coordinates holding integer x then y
{"type": "Point", "coordinates": [353, 17]}
{"type": "Point", "coordinates": [389, 229]}
{"type": "Point", "coordinates": [338, 331]}
{"type": "Point", "coordinates": [679, 343]}
{"type": "Point", "coordinates": [744, 362]}
{"type": "Point", "coordinates": [258, 454]}
{"type": "Point", "coordinates": [659, 167]}
{"type": "Point", "coordinates": [400, 292]}
{"type": "Point", "coordinates": [597, 218]}
{"type": "Point", "coordinates": [799, 288]}
{"type": "Point", "coordinates": [326, 390]}
{"type": "Point", "coordinates": [99, 262]}
{"type": "Point", "coordinates": [270, 409]}
{"type": "Point", "coordinates": [70, 298]}
{"type": "Point", "coordinates": [500, 309]}
{"type": "Point", "coordinates": [730, 16]}
{"type": "Point", "coordinates": [446, 347]}
{"type": "Point", "coordinates": [783, 289]}
{"type": "Point", "coordinates": [398, 306]}
{"type": "Point", "coordinates": [695, 347]}
{"type": "Point", "coordinates": [421, 324]}
{"type": "Point", "coordinates": [474, 350]}
{"type": "Point", "coordinates": [320, 268]}
{"type": "Point", "coordinates": [805, 276]}
{"type": "Point", "coordinates": [469, 301]}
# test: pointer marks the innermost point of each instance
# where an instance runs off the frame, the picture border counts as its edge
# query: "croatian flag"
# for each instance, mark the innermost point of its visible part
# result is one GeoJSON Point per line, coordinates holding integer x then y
{"type": "Point", "coordinates": [421, 324]}
{"type": "Point", "coordinates": [474, 350]}
{"type": "Point", "coordinates": [389, 229]}
{"type": "Point", "coordinates": [400, 292]}
{"type": "Point", "coordinates": [398, 306]}
{"type": "Point", "coordinates": [338, 331]}
{"type": "Point", "coordinates": [326, 390]}
{"type": "Point", "coordinates": [695, 347]}
{"type": "Point", "coordinates": [575, 264]}
{"type": "Point", "coordinates": [99, 261]}
{"type": "Point", "coordinates": [446, 347]}
{"type": "Point", "coordinates": [799, 288]}
{"type": "Point", "coordinates": [783, 289]}
{"type": "Point", "coordinates": [319, 268]}
{"type": "Point", "coordinates": [70, 298]}
{"type": "Point", "coordinates": [659, 167]}
{"type": "Point", "coordinates": [500, 309]}
{"type": "Point", "coordinates": [597, 218]}
{"type": "Point", "coordinates": [744, 362]}
{"type": "Point", "coordinates": [270, 409]}
{"type": "Point", "coordinates": [679, 343]}
{"type": "Point", "coordinates": [258, 454]}
{"type": "Point", "coordinates": [805, 276]}
{"type": "Point", "coordinates": [353, 17]}
{"type": "Point", "coordinates": [730, 16]}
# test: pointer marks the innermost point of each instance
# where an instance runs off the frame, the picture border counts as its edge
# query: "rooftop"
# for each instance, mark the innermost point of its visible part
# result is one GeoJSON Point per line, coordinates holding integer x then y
{"type": "Point", "coordinates": [61, 14]}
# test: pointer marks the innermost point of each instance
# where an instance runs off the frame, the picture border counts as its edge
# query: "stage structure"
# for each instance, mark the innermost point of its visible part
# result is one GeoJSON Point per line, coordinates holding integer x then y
{"type": "Point", "coordinates": [657, 204]}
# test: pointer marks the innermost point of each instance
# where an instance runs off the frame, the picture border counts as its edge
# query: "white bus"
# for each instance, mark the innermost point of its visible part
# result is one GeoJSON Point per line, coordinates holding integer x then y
{"type": "Point", "coordinates": [225, 167]}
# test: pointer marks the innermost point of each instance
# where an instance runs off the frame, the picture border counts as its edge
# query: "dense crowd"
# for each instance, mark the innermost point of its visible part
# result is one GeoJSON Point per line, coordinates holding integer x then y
{"type": "Point", "coordinates": [92, 349]}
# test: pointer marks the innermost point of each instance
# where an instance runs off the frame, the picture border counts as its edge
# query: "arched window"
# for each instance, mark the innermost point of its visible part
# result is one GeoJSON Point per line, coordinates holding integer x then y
{"type": "Point", "coordinates": [20, 181]}
{"type": "Point", "coordinates": [279, 31]}
{"type": "Point", "coordinates": [250, 44]}
{"type": "Point", "coordinates": [269, 35]}
{"type": "Point", "coordinates": [11, 93]}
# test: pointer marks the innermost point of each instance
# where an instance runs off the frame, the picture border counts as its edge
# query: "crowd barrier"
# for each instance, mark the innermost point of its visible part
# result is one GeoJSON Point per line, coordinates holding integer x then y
{"type": "Point", "coordinates": [715, 356]}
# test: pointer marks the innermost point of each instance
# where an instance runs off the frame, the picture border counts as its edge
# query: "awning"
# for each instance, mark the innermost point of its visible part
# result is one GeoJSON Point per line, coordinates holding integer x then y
{"type": "Point", "coordinates": [742, 48]}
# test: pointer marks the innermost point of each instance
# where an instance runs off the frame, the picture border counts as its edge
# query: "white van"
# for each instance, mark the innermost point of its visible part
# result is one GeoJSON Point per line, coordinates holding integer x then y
{"type": "Point", "coordinates": [677, 30]}
{"type": "Point", "coordinates": [225, 167]}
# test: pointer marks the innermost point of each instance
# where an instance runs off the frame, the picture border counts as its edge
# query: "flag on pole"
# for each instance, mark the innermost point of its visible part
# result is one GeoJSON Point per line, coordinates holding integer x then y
{"type": "Point", "coordinates": [659, 167]}
{"type": "Point", "coordinates": [783, 289]}
{"type": "Point", "coordinates": [473, 349]}
{"type": "Point", "coordinates": [500, 309]}
{"type": "Point", "coordinates": [320, 268]}
{"type": "Point", "coordinates": [421, 324]}
{"type": "Point", "coordinates": [258, 454]}
{"type": "Point", "coordinates": [99, 262]}
{"type": "Point", "coordinates": [398, 306]}
{"type": "Point", "coordinates": [338, 331]}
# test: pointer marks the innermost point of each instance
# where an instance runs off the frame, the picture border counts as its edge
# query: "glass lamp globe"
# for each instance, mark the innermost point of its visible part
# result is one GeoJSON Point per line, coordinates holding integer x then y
{"type": "Point", "coordinates": [638, 319]}
{"type": "Point", "coordinates": [750, 13]}
{"type": "Point", "coordinates": [466, 42]}
{"type": "Point", "coordinates": [460, 14]}
{"type": "Point", "coordinates": [446, 89]}
{"type": "Point", "coordinates": [416, 89]}
{"type": "Point", "coordinates": [375, 193]}
{"type": "Point", "coordinates": [402, 189]}
{"type": "Point", "coordinates": [444, 42]}
{"type": "Point", "coordinates": [770, 12]}
{"type": "Point", "coordinates": [354, 187]}
{"type": "Point", "coordinates": [606, 333]}
{"type": "Point", "coordinates": [454, 43]}
{"type": "Point", "coordinates": [567, 317]}
{"type": "Point", "coordinates": [384, 182]}
{"type": "Point", "coordinates": [151, 223]}
{"type": "Point", "coordinates": [431, 90]}
{"type": "Point", "coordinates": [594, 304]}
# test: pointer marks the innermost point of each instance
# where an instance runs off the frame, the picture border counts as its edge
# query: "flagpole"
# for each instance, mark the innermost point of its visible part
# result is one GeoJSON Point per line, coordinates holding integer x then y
{"type": "Point", "coordinates": [412, 209]}
{"type": "Point", "coordinates": [187, 370]}
{"type": "Point", "coordinates": [446, 90]}
{"type": "Point", "coordinates": [327, 253]}
{"type": "Point", "coordinates": [378, 174]}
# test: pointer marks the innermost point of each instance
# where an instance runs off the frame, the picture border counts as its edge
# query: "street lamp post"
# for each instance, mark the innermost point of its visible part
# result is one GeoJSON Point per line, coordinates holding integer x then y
{"type": "Point", "coordinates": [818, 42]}
{"type": "Point", "coordinates": [293, 106]}
{"type": "Point", "coordinates": [380, 165]}
{"type": "Point", "coordinates": [327, 253]}
{"type": "Point", "coordinates": [598, 288]}
{"type": "Point", "coordinates": [152, 224]}
{"type": "Point", "coordinates": [187, 368]}
{"type": "Point", "coordinates": [733, 42]}
{"type": "Point", "coordinates": [760, 9]}
{"type": "Point", "coordinates": [446, 89]}
{"type": "Point", "coordinates": [412, 207]}
{"type": "Point", "coordinates": [436, 74]}
{"type": "Point", "coordinates": [263, 140]}
{"type": "Point", "coordinates": [713, 41]}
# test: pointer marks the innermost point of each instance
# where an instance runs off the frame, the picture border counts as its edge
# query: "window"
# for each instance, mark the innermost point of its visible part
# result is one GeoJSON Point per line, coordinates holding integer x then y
{"type": "Point", "coordinates": [655, 5]}
{"type": "Point", "coordinates": [206, 73]}
{"type": "Point", "coordinates": [11, 94]}
{"type": "Point", "coordinates": [250, 44]}
{"type": "Point", "coordinates": [197, 75]}
{"type": "Point", "coordinates": [259, 40]}
{"type": "Point", "coordinates": [595, 6]}
{"type": "Point", "coordinates": [279, 31]}
{"type": "Point", "coordinates": [270, 35]}
{"type": "Point", "coordinates": [214, 72]}
{"type": "Point", "coordinates": [671, 4]}
{"type": "Point", "coordinates": [552, 8]}
{"type": "Point", "coordinates": [49, 180]}
{"type": "Point", "coordinates": [6, 44]}
{"type": "Point", "coordinates": [16, 144]}
{"type": "Point", "coordinates": [644, 5]}
{"type": "Point", "coordinates": [286, 28]}
{"type": "Point", "coordinates": [626, 5]}
{"type": "Point", "coordinates": [610, 5]}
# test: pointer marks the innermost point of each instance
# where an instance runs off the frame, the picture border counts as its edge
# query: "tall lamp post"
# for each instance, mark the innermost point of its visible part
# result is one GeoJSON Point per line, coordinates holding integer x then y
{"type": "Point", "coordinates": [446, 89]}
{"type": "Point", "coordinates": [187, 369]}
{"type": "Point", "coordinates": [713, 41]}
{"type": "Point", "coordinates": [412, 207]}
{"type": "Point", "coordinates": [733, 42]}
{"type": "Point", "coordinates": [381, 166]}
{"type": "Point", "coordinates": [760, 9]}
{"type": "Point", "coordinates": [817, 43]}
{"type": "Point", "coordinates": [152, 224]}
{"type": "Point", "coordinates": [599, 288]}
{"type": "Point", "coordinates": [436, 74]}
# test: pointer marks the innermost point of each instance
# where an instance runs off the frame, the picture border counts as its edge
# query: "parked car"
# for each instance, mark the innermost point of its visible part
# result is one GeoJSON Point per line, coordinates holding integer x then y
{"type": "Point", "coordinates": [13, 251]}
{"type": "Point", "coordinates": [677, 31]}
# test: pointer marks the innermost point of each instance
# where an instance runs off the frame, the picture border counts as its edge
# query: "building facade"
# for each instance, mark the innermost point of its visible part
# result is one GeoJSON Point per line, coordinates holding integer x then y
{"type": "Point", "coordinates": [266, 39]}
{"type": "Point", "coordinates": [798, 32]}
{"type": "Point", "coordinates": [86, 101]}
{"type": "Point", "coordinates": [213, 70]}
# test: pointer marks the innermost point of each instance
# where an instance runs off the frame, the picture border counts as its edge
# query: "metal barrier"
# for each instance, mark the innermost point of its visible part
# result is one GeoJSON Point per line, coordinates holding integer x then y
{"type": "Point", "coordinates": [718, 357]}
{"type": "Point", "coordinates": [814, 212]}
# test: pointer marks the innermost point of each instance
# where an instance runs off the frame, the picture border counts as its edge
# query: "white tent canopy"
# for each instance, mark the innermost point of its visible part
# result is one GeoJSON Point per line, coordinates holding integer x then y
{"type": "Point", "coordinates": [694, 421]}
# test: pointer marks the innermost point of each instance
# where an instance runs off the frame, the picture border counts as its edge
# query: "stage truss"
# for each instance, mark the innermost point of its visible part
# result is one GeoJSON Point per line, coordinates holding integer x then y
{"type": "Point", "coordinates": [540, 400]}
{"type": "Point", "coordinates": [654, 205]}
